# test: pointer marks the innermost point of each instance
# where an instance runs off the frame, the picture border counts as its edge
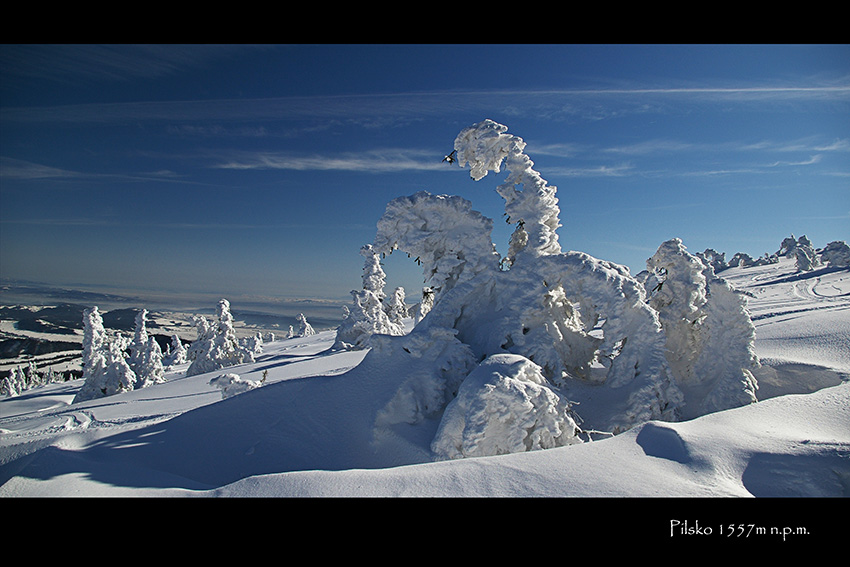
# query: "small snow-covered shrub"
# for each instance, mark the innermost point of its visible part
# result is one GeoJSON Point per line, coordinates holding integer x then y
{"type": "Point", "coordinates": [232, 384]}
{"type": "Point", "coordinates": [504, 406]}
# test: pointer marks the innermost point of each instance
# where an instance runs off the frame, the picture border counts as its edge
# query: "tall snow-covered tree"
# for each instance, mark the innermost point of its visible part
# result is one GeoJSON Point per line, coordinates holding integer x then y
{"type": "Point", "coordinates": [396, 308]}
{"type": "Point", "coordinates": [140, 339]}
{"type": "Point", "coordinates": [148, 368]}
{"type": "Point", "coordinates": [710, 336]}
{"type": "Point", "coordinates": [106, 370]}
{"type": "Point", "coordinates": [368, 314]}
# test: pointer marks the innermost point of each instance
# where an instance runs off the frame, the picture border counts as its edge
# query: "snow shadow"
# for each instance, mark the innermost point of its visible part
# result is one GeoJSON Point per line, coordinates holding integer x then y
{"type": "Point", "coordinates": [663, 442]}
{"type": "Point", "coordinates": [822, 475]}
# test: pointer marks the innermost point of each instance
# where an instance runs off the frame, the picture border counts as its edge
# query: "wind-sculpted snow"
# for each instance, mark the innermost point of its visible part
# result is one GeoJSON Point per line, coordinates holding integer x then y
{"type": "Point", "coordinates": [504, 406]}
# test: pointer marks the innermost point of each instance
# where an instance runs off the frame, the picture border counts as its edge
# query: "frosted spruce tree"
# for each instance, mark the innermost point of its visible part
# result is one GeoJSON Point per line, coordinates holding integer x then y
{"type": "Point", "coordinates": [149, 367]}
{"type": "Point", "coordinates": [139, 344]}
{"type": "Point", "coordinates": [177, 353]}
{"type": "Point", "coordinates": [105, 368]}
{"type": "Point", "coordinates": [368, 315]}
{"type": "Point", "coordinates": [304, 327]}
{"type": "Point", "coordinates": [710, 336]}
{"type": "Point", "coordinates": [146, 358]}
{"type": "Point", "coordinates": [217, 346]}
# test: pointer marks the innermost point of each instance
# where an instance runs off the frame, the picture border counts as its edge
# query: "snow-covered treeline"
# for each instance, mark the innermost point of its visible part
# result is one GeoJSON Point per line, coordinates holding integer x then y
{"type": "Point", "coordinates": [835, 254]}
{"type": "Point", "coordinates": [113, 363]}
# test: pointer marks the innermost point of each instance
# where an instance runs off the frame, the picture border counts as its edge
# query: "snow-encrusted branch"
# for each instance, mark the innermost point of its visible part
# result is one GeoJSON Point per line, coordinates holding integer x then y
{"type": "Point", "coordinates": [484, 146]}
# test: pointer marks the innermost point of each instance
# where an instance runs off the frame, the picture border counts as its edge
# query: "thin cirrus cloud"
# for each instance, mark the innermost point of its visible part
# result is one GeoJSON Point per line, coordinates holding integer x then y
{"type": "Point", "coordinates": [406, 105]}
{"type": "Point", "coordinates": [376, 161]}
{"type": "Point", "coordinates": [16, 169]}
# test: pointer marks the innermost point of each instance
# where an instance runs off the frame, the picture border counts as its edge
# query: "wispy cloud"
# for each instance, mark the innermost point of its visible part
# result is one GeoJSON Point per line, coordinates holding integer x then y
{"type": "Point", "coordinates": [11, 168]}
{"type": "Point", "coordinates": [407, 105]}
{"type": "Point", "coordinates": [16, 169]}
{"type": "Point", "coordinates": [374, 161]}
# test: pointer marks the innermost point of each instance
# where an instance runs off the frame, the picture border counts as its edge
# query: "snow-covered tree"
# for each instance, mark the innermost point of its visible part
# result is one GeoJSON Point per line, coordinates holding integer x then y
{"type": "Point", "coordinates": [805, 255]}
{"type": "Point", "coordinates": [368, 315]}
{"type": "Point", "coordinates": [425, 304]}
{"type": "Point", "coordinates": [177, 353]}
{"type": "Point", "coordinates": [94, 336]}
{"type": "Point", "coordinates": [217, 345]}
{"type": "Point", "coordinates": [710, 336]}
{"type": "Point", "coordinates": [534, 207]}
{"type": "Point", "coordinates": [713, 258]}
{"type": "Point", "coordinates": [203, 332]}
{"type": "Point", "coordinates": [13, 384]}
{"type": "Point", "coordinates": [802, 250]}
{"type": "Point", "coordinates": [396, 308]}
{"type": "Point", "coordinates": [583, 321]}
{"type": "Point", "coordinates": [107, 371]}
{"type": "Point", "coordinates": [148, 367]}
{"type": "Point", "coordinates": [836, 254]}
{"type": "Point", "coordinates": [253, 344]}
{"type": "Point", "coordinates": [139, 344]}
{"type": "Point", "coordinates": [146, 358]}
{"type": "Point", "coordinates": [304, 328]}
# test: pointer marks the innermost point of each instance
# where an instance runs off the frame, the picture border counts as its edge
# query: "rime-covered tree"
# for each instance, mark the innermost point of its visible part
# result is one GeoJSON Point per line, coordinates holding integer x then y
{"type": "Point", "coordinates": [710, 336]}
{"type": "Point", "coordinates": [368, 313]}
{"type": "Point", "coordinates": [217, 345]}
{"type": "Point", "coordinates": [541, 304]}
{"type": "Point", "coordinates": [203, 334]}
{"type": "Point", "coordinates": [139, 344]}
{"type": "Point", "coordinates": [177, 353]}
{"type": "Point", "coordinates": [149, 368]}
{"type": "Point", "coordinates": [805, 256]}
{"type": "Point", "coordinates": [836, 254]}
{"type": "Point", "coordinates": [396, 308]}
{"type": "Point", "coordinates": [504, 406]}
{"type": "Point", "coordinates": [304, 328]}
{"type": "Point", "coordinates": [106, 370]}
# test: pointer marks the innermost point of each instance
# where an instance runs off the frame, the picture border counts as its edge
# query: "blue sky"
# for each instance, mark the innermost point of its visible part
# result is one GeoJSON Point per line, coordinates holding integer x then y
{"type": "Point", "coordinates": [259, 171]}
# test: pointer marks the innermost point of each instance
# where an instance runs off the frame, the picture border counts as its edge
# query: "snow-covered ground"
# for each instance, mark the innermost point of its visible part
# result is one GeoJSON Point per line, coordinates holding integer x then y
{"type": "Point", "coordinates": [308, 431]}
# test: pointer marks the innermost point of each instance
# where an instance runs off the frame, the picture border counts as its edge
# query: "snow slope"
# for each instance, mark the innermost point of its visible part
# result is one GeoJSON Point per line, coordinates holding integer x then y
{"type": "Point", "coordinates": [308, 431]}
